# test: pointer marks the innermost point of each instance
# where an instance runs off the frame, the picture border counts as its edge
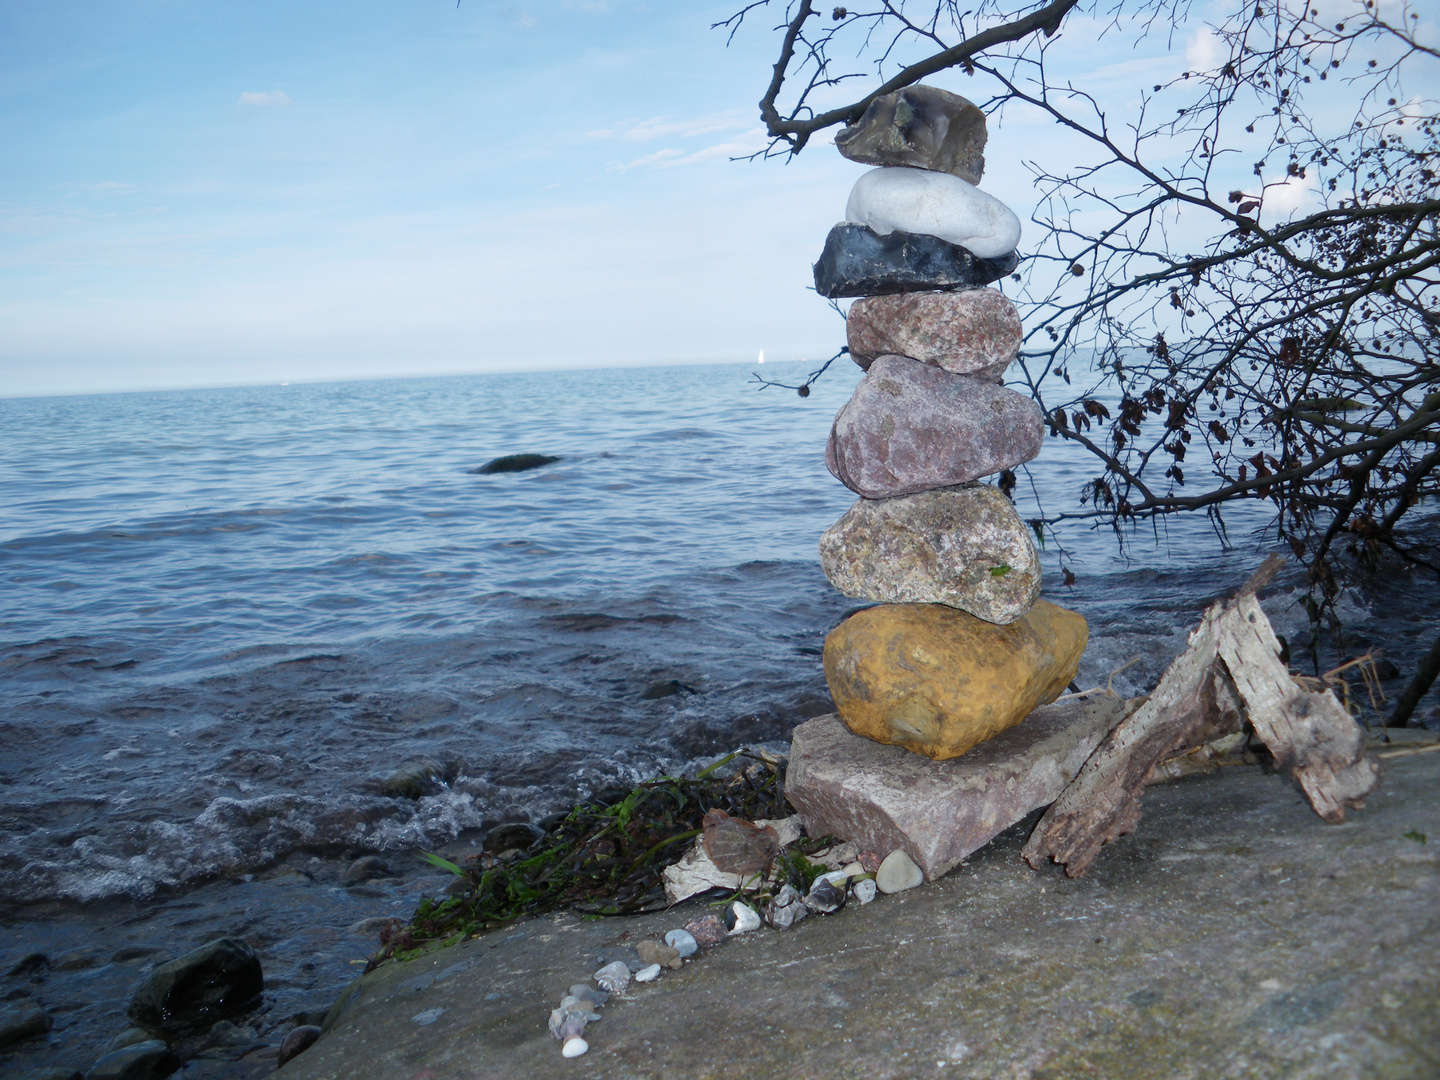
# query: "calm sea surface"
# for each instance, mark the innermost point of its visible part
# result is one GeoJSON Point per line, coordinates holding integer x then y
{"type": "Point", "coordinates": [227, 615]}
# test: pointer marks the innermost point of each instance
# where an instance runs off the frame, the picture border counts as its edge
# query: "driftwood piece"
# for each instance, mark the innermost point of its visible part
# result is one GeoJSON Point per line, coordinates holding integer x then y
{"type": "Point", "coordinates": [1307, 731]}
{"type": "Point", "coordinates": [1230, 672]}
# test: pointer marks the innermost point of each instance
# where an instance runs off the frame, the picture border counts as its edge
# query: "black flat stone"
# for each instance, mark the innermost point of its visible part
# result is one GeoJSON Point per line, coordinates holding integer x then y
{"type": "Point", "coordinates": [515, 463]}
{"type": "Point", "coordinates": [857, 261]}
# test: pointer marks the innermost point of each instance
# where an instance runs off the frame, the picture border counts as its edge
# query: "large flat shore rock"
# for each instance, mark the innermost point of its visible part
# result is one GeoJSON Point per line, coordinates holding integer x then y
{"type": "Point", "coordinates": [1235, 935]}
{"type": "Point", "coordinates": [886, 797]}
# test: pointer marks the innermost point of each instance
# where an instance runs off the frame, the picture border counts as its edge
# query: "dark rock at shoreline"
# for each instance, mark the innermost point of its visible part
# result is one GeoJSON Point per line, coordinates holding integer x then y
{"type": "Point", "coordinates": [29, 964]}
{"type": "Point", "coordinates": [298, 1041]}
{"type": "Point", "coordinates": [666, 688]}
{"type": "Point", "coordinates": [128, 953]}
{"type": "Point", "coordinates": [76, 959]}
{"type": "Point", "coordinates": [49, 1074]}
{"type": "Point", "coordinates": [515, 463]}
{"type": "Point", "coordinates": [857, 261]}
{"type": "Point", "coordinates": [216, 980]}
{"type": "Point", "coordinates": [517, 835]}
{"type": "Point", "coordinates": [365, 868]}
{"type": "Point", "coordinates": [23, 1022]}
{"type": "Point", "coordinates": [144, 1061]}
{"type": "Point", "coordinates": [130, 1037]}
{"type": "Point", "coordinates": [415, 779]}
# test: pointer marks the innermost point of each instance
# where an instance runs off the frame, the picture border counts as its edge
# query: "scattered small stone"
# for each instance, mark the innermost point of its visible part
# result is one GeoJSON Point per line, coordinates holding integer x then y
{"type": "Point", "coordinates": [76, 959]}
{"type": "Point", "coordinates": [144, 1061]}
{"type": "Point", "coordinates": [574, 1047]}
{"type": "Point", "coordinates": [864, 890]}
{"type": "Point", "coordinates": [296, 1042]}
{"type": "Point", "coordinates": [614, 977]}
{"type": "Point", "coordinates": [683, 942]}
{"type": "Point", "coordinates": [786, 908]}
{"type": "Point", "coordinates": [648, 974]}
{"type": "Point", "coordinates": [707, 930]}
{"type": "Point", "coordinates": [655, 952]}
{"type": "Point", "coordinates": [870, 860]}
{"type": "Point", "coordinates": [23, 1022]}
{"type": "Point", "coordinates": [741, 918]}
{"type": "Point", "coordinates": [216, 980]}
{"type": "Point", "coordinates": [825, 897]}
{"type": "Point", "coordinates": [897, 873]}
{"type": "Point", "coordinates": [589, 995]}
{"type": "Point", "coordinates": [365, 868]}
{"type": "Point", "coordinates": [129, 1037]}
{"type": "Point", "coordinates": [853, 869]}
{"type": "Point", "coordinates": [428, 1017]}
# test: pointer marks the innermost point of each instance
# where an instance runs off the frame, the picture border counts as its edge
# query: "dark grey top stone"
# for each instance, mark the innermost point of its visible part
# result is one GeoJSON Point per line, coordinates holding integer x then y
{"type": "Point", "coordinates": [857, 261]}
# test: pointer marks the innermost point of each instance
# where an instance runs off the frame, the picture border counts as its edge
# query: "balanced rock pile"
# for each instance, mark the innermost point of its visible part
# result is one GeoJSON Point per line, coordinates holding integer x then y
{"type": "Point", "coordinates": [960, 647]}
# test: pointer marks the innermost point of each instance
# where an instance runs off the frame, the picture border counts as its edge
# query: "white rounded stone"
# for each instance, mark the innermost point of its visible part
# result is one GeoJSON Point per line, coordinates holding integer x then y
{"type": "Point", "coordinates": [897, 873]}
{"type": "Point", "coordinates": [865, 890]}
{"type": "Point", "coordinates": [745, 918]}
{"type": "Point", "coordinates": [936, 204]}
{"type": "Point", "coordinates": [574, 1047]}
{"type": "Point", "coordinates": [648, 974]}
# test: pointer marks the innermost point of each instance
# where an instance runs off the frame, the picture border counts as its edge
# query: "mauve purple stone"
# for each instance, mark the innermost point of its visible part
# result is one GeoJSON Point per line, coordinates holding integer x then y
{"type": "Point", "coordinates": [911, 427]}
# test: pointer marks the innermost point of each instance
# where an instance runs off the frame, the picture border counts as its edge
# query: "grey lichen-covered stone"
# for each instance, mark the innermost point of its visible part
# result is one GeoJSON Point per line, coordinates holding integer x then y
{"type": "Point", "coordinates": [973, 332]}
{"type": "Point", "coordinates": [921, 126]}
{"type": "Point", "coordinates": [965, 547]}
{"type": "Point", "coordinates": [857, 261]}
{"type": "Point", "coordinates": [910, 427]}
{"type": "Point", "coordinates": [886, 798]}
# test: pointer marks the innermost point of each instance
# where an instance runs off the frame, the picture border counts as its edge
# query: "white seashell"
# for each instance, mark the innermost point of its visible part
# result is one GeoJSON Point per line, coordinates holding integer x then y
{"type": "Point", "coordinates": [741, 918]}
{"type": "Point", "coordinates": [897, 873]}
{"type": "Point", "coordinates": [864, 890]}
{"type": "Point", "coordinates": [683, 942]}
{"type": "Point", "coordinates": [614, 977]}
{"type": "Point", "coordinates": [936, 204]}
{"type": "Point", "coordinates": [648, 974]}
{"type": "Point", "coordinates": [574, 1047]}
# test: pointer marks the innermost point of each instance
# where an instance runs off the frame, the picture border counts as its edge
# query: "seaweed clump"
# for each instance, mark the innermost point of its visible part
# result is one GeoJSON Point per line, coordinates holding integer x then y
{"type": "Point", "coordinates": [604, 858]}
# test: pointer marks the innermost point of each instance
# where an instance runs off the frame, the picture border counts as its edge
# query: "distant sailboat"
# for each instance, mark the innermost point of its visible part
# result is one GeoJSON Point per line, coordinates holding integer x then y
{"type": "Point", "coordinates": [762, 357]}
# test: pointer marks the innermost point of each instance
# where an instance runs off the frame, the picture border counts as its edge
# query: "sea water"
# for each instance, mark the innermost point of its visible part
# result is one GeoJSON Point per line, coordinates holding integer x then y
{"type": "Point", "coordinates": [228, 615]}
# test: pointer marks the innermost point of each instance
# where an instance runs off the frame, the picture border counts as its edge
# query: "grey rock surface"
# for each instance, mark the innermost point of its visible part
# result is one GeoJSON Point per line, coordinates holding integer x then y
{"type": "Point", "coordinates": [144, 1061]}
{"type": "Point", "coordinates": [1234, 935]}
{"type": "Point", "coordinates": [857, 261]}
{"type": "Point", "coordinates": [22, 1021]}
{"type": "Point", "coordinates": [920, 126]}
{"type": "Point", "coordinates": [972, 332]}
{"type": "Point", "coordinates": [886, 798]}
{"type": "Point", "coordinates": [964, 547]}
{"type": "Point", "coordinates": [216, 980]}
{"type": "Point", "coordinates": [910, 427]}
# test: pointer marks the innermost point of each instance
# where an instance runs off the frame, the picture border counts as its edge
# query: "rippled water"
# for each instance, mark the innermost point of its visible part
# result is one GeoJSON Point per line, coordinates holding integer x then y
{"type": "Point", "coordinates": [227, 615]}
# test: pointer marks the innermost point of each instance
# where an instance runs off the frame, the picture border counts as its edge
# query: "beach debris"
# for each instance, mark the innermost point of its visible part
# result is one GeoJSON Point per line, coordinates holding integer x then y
{"type": "Point", "coordinates": [649, 973]}
{"type": "Point", "coordinates": [741, 918]}
{"type": "Point", "coordinates": [825, 896]}
{"type": "Point", "coordinates": [657, 952]}
{"type": "Point", "coordinates": [614, 977]}
{"type": "Point", "coordinates": [864, 890]}
{"type": "Point", "coordinates": [897, 873]}
{"type": "Point", "coordinates": [682, 941]}
{"type": "Point", "coordinates": [1229, 676]}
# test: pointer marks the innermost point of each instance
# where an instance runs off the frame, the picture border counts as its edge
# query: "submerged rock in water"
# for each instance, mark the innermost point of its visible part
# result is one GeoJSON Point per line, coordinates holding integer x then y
{"type": "Point", "coordinates": [364, 869]}
{"type": "Point", "coordinates": [665, 688]}
{"type": "Point", "coordinates": [512, 836]}
{"type": "Point", "coordinates": [415, 779]}
{"type": "Point", "coordinates": [972, 332]}
{"type": "Point", "coordinates": [214, 981]}
{"type": "Point", "coordinates": [962, 546]}
{"type": "Point", "coordinates": [21, 1022]}
{"type": "Point", "coordinates": [911, 427]}
{"type": "Point", "coordinates": [921, 126]}
{"type": "Point", "coordinates": [144, 1061]}
{"type": "Point", "coordinates": [515, 463]}
{"type": "Point", "coordinates": [938, 681]}
{"type": "Point", "coordinates": [934, 204]}
{"type": "Point", "coordinates": [857, 261]}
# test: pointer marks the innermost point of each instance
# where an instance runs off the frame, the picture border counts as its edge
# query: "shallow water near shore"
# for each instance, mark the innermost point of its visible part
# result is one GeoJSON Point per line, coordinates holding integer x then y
{"type": "Point", "coordinates": [228, 615]}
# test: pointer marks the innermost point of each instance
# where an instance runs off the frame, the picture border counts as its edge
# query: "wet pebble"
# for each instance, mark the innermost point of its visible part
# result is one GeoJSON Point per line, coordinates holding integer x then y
{"type": "Point", "coordinates": [707, 930]}
{"type": "Point", "coordinates": [297, 1041]}
{"type": "Point", "coordinates": [870, 860]}
{"type": "Point", "coordinates": [648, 974]}
{"type": "Point", "coordinates": [741, 918]}
{"type": "Point", "coordinates": [144, 1061]}
{"type": "Point", "coordinates": [129, 1037]}
{"type": "Point", "coordinates": [614, 977]}
{"type": "Point", "coordinates": [574, 1047]}
{"type": "Point", "coordinates": [77, 959]}
{"type": "Point", "coordinates": [897, 873]}
{"type": "Point", "coordinates": [365, 868]}
{"type": "Point", "coordinates": [786, 908]}
{"type": "Point", "coordinates": [21, 1022]}
{"type": "Point", "coordinates": [683, 942]}
{"type": "Point", "coordinates": [864, 890]}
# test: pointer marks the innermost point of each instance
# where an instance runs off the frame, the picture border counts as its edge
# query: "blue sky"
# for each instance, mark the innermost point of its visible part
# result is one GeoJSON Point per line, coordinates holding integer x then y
{"type": "Point", "coordinates": [203, 193]}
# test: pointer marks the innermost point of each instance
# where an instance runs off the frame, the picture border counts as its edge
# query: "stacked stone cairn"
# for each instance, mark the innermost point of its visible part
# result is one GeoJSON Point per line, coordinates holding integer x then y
{"type": "Point", "coordinates": [960, 647]}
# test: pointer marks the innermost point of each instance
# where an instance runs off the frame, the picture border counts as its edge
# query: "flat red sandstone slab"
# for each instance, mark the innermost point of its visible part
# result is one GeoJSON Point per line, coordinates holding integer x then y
{"type": "Point", "coordinates": [885, 797]}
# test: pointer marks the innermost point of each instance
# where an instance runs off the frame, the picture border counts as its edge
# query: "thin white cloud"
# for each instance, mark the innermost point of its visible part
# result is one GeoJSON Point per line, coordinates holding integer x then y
{"type": "Point", "coordinates": [668, 158]}
{"type": "Point", "coordinates": [1204, 51]}
{"type": "Point", "coordinates": [265, 99]}
{"type": "Point", "coordinates": [661, 127]}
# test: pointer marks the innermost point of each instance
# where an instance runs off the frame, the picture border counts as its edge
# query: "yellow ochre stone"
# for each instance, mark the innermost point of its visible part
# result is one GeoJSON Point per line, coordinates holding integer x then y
{"type": "Point", "coordinates": [939, 681]}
